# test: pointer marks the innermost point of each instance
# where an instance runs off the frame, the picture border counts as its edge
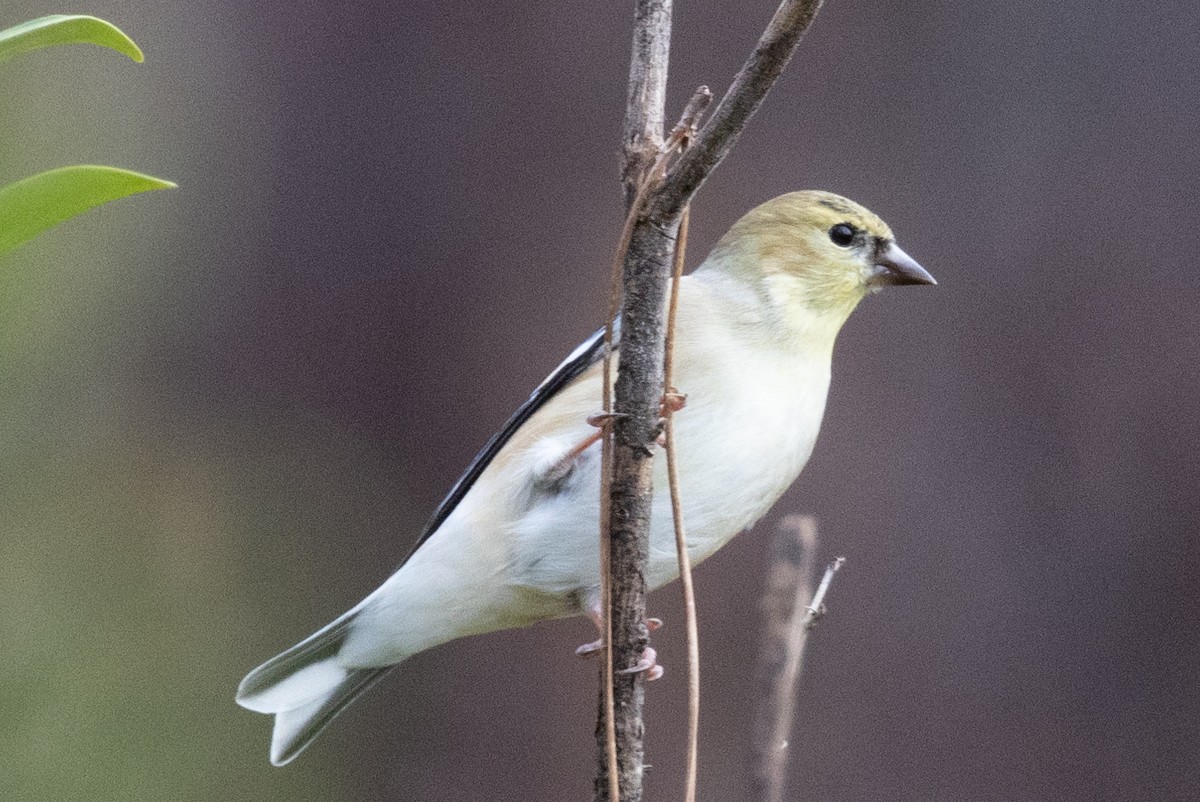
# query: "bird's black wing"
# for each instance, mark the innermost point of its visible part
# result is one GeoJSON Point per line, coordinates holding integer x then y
{"type": "Point", "coordinates": [587, 354]}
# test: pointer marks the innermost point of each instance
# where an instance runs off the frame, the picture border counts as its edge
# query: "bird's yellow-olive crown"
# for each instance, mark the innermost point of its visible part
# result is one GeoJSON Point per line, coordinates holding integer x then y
{"type": "Point", "coordinates": [817, 249]}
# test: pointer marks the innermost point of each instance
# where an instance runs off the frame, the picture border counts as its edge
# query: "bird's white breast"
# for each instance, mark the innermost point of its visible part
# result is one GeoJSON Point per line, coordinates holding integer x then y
{"type": "Point", "coordinates": [750, 423]}
{"type": "Point", "coordinates": [749, 428]}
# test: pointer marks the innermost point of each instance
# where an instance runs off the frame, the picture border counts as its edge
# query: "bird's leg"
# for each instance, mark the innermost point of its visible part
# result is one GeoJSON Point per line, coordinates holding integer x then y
{"type": "Point", "coordinates": [671, 403]}
{"type": "Point", "coordinates": [596, 615]}
{"type": "Point", "coordinates": [649, 659]}
{"type": "Point", "coordinates": [558, 470]}
{"type": "Point", "coordinates": [601, 420]}
{"type": "Point", "coordinates": [647, 663]}
{"type": "Point", "coordinates": [561, 467]}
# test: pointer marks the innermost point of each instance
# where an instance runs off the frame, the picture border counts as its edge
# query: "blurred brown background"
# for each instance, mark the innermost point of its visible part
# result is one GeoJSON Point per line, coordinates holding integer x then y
{"type": "Point", "coordinates": [227, 409]}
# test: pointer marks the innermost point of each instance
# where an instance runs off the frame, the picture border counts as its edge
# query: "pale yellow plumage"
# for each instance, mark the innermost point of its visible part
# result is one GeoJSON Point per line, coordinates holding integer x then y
{"type": "Point", "coordinates": [756, 328]}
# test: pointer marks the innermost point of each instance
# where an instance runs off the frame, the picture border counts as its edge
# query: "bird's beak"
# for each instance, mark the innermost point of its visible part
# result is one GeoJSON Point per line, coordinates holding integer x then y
{"type": "Point", "coordinates": [895, 267]}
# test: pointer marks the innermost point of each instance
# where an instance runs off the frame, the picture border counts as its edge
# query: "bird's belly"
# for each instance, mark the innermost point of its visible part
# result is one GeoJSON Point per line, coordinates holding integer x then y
{"type": "Point", "coordinates": [730, 475]}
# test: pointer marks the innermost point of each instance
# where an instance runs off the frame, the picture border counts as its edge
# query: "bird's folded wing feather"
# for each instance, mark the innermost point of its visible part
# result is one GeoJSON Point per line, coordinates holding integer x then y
{"type": "Point", "coordinates": [589, 353]}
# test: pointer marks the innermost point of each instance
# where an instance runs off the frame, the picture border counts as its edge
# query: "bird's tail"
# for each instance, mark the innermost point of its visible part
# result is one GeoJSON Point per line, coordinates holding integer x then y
{"type": "Point", "coordinates": [305, 688]}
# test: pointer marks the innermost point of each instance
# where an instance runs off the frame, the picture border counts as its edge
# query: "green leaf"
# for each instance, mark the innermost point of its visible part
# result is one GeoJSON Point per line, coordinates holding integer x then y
{"type": "Point", "coordinates": [65, 29]}
{"type": "Point", "coordinates": [41, 201]}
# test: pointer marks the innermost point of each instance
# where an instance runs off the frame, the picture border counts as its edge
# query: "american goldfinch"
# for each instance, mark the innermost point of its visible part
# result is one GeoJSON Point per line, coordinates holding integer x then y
{"type": "Point", "coordinates": [516, 541]}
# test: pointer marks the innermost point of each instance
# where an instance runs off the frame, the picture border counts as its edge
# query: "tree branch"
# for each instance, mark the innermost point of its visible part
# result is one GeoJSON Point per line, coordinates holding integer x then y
{"type": "Point", "coordinates": [634, 434]}
{"type": "Point", "coordinates": [790, 616]}
{"type": "Point", "coordinates": [774, 50]}
{"type": "Point", "coordinates": [645, 101]}
{"type": "Point", "coordinates": [625, 524]}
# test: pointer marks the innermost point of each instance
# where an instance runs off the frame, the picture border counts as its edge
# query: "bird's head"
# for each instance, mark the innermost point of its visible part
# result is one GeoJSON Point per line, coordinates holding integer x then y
{"type": "Point", "coordinates": [814, 253]}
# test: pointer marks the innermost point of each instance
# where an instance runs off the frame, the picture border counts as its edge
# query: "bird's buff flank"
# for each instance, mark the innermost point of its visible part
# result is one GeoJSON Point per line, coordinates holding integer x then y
{"type": "Point", "coordinates": [517, 539]}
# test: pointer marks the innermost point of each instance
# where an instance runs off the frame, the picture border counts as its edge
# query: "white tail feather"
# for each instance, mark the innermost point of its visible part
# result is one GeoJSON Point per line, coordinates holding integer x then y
{"type": "Point", "coordinates": [316, 681]}
{"type": "Point", "coordinates": [290, 730]}
{"type": "Point", "coordinates": [306, 687]}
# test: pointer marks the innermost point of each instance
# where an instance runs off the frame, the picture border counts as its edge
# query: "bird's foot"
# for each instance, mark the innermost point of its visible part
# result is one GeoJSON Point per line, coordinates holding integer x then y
{"type": "Point", "coordinates": [648, 662]}
{"type": "Point", "coordinates": [671, 403]}
{"type": "Point", "coordinates": [602, 420]}
{"type": "Point", "coordinates": [589, 649]}
{"type": "Point", "coordinates": [561, 467]}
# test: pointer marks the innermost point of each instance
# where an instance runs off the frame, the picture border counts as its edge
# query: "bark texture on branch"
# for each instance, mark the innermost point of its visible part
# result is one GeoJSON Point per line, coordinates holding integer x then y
{"type": "Point", "coordinates": [645, 101]}
{"type": "Point", "coordinates": [646, 264]}
{"type": "Point", "coordinates": [638, 392]}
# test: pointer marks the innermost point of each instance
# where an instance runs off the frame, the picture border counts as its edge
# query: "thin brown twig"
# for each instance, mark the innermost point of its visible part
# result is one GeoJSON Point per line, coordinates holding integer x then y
{"type": "Point", "coordinates": [610, 724]}
{"type": "Point", "coordinates": [606, 448]}
{"type": "Point", "coordinates": [685, 563]}
{"type": "Point", "coordinates": [680, 137]}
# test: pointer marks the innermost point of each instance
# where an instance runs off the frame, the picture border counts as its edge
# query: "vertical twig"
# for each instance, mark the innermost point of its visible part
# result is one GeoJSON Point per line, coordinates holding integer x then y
{"type": "Point", "coordinates": [791, 609]}
{"type": "Point", "coordinates": [680, 138]}
{"type": "Point", "coordinates": [685, 563]}
{"type": "Point", "coordinates": [625, 516]}
{"type": "Point", "coordinates": [645, 100]}
{"type": "Point", "coordinates": [607, 784]}
{"type": "Point", "coordinates": [635, 429]}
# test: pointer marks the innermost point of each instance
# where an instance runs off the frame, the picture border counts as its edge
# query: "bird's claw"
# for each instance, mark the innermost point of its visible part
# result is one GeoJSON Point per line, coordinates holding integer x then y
{"type": "Point", "coordinates": [602, 419]}
{"type": "Point", "coordinates": [671, 403]}
{"type": "Point", "coordinates": [647, 663]}
{"type": "Point", "coordinates": [588, 649]}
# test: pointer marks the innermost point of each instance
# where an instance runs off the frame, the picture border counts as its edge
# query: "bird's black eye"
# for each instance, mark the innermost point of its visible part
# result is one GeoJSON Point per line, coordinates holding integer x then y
{"type": "Point", "coordinates": [842, 234]}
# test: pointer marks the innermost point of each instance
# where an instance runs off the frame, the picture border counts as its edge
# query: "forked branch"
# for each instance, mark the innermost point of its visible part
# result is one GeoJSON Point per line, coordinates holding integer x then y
{"type": "Point", "coordinates": [716, 139]}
